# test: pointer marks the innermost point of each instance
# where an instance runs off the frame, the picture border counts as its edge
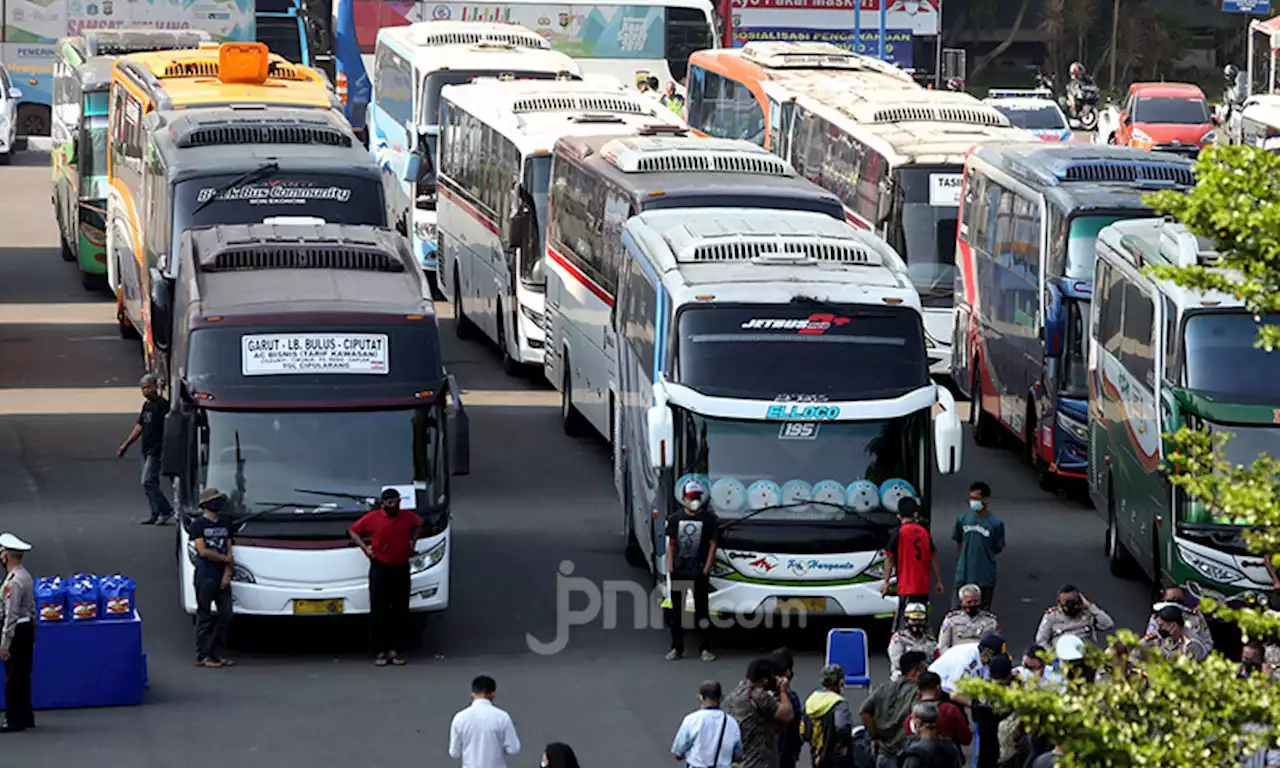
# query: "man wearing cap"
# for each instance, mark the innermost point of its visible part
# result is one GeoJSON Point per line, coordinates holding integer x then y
{"type": "Point", "coordinates": [214, 565]}
{"type": "Point", "coordinates": [1194, 622]}
{"type": "Point", "coordinates": [914, 636]}
{"type": "Point", "coordinates": [692, 537]}
{"type": "Point", "coordinates": [1171, 637]}
{"type": "Point", "coordinates": [17, 634]}
{"type": "Point", "coordinates": [828, 721]}
{"type": "Point", "coordinates": [392, 533]}
{"type": "Point", "coordinates": [969, 623]}
{"type": "Point", "coordinates": [1073, 614]}
{"type": "Point", "coordinates": [961, 661]}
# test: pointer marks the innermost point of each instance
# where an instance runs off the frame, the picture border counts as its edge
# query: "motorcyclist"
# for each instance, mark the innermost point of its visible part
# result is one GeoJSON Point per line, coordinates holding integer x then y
{"type": "Point", "coordinates": [1079, 87]}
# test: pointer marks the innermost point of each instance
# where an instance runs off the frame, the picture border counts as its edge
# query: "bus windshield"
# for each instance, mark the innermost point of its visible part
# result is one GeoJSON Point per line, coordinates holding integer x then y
{"type": "Point", "coordinates": [433, 82]}
{"type": "Point", "coordinates": [1247, 443]}
{"type": "Point", "coordinates": [766, 350]}
{"type": "Point", "coordinates": [281, 34]}
{"type": "Point", "coordinates": [929, 199]}
{"type": "Point", "coordinates": [93, 149]}
{"type": "Point", "coordinates": [753, 465]}
{"type": "Point", "coordinates": [1082, 240]}
{"type": "Point", "coordinates": [1220, 359]}
{"type": "Point", "coordinates": [97, 103]}
{"type": "Point", "coordinates": [537, 182]}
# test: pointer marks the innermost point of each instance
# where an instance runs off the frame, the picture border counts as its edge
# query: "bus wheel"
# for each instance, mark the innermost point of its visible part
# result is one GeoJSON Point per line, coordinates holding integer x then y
{"type": "Point", "coordinates": [984, 432]}
{"type": "Point", "coordinates": [127, 331]}
{"type": "Point", "coordinates": [461, 325]}
{"type": "Point", "coordinates": [1118, 557]}
{"type": "Point", "coordinates": [433, 284]}
{"type": "Point", "coordinates": [510, 365]}
{"type": "Point", "coordinates": [574, 424]}
{"type": "Point", "coordinates": [1032, 450]}
{"type": "Point", "coordinates": [93, 283]}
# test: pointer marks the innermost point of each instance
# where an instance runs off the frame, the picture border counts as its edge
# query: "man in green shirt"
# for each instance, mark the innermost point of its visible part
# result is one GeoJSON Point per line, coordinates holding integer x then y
{"type": "Point", "coordinates": [886, 709]}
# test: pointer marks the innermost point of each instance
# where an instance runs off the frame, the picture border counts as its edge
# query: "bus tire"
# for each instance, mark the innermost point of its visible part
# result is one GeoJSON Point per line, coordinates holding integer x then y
{"type": "Point", "coordinates": [127, 331]}
{"type": "Point", "coordinates": [6, 158]}
{"type": "Point", "coordinates": [1119, 560]}
{"type": "Point", "coordinates": [1031, 448]}
{"type": "Point", "coordinates": [461, 325]}
{"type": "Point", "coordinates": [574, 424]}
{"type": "Point", "coordinates": [433, 284]}
{"type": "Point", "coordinates": [510, 365]}
{"type": "Point", "coordinates": [93, 283]}
{"type": "Point", "coordinates": [985, 433]}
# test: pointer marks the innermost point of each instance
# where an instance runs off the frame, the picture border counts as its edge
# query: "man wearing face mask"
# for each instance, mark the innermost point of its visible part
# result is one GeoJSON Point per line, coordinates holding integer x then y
{"type": "Point", "coordinates": [914, 636]}
{"type": "Point", "coordinates": [17, 634]}
{"type": "Point", "coordinates": [979, 537]}
{"type": "Point", "coordinates": [392, 533]}
{"type": "Point", "coordinates": [1073, 614]}
{"type": "Point", "coordinates": [1194, 622]}
{"type": "Point", "coordinates": [1172, 639]}
{"type": "Point", "coordinates": [969, 623]}
{"type": "Point", "coordinates": [692, 536]}
{"type": "Point", "coordinates": [215, 562]}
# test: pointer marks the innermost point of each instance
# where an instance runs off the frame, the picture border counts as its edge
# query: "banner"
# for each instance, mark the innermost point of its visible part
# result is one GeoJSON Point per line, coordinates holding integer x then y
{"type": "Point", "coordinates": [919, 17]}
{"type": "Point", "coordinates": [580, 31]}
{"type": "Point", "coordinates": [44, 21]}
{"type": "Point", "coordinates": [898, 45]}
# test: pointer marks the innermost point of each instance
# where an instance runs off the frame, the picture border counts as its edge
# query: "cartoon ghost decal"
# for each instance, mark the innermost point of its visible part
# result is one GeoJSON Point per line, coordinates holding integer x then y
{"type": "Point", "coordinates": [894, 491]}
{"type": "Point", "coordinates": [796, 492]}
{"type": "Point", "coordinates": [863, 496]}
{"type": "Point", "coordinates": [764, 493]}
{"type": "Point", "coordinates": [728, 495]}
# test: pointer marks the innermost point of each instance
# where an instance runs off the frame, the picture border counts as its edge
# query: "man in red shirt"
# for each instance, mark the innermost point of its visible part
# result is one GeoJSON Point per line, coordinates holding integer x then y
{"type": "Point", "coordinates": [391, 533]}
{"type": "Point", "coordinates": [911, 553]}
{"type": "Point", "coordinates": [952, 722]}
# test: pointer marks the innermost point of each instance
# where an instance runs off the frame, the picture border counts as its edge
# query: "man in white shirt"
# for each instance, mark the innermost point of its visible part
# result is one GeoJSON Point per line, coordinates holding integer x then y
{"type": "Point", "coordinates": [482, 735]}
{"type": "Point", "coordinates": [961, 661]}
{"type": "Point", "coordinates": [708, 737]}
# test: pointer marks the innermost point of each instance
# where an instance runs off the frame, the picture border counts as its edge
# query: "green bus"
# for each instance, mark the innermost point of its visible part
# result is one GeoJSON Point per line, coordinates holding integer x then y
{"type": "Point", "coordinates": [1161, 357]}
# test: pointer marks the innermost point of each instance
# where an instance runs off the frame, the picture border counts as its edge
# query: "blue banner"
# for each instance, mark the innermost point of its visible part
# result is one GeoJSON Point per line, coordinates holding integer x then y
{"type": "Point", "coordinates": [897, 45]}
{"type": "Point", "coordinates": [1256, 7]}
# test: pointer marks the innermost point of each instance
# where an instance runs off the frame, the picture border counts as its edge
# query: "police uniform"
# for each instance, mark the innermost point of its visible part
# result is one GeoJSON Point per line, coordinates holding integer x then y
{"type": "Point", "coordinates": [902, 642]}
{"type": "Point", "coordinates": [1187, 645]}
{"type": "Point", "coordinates": [959, 628]}
{"type": "Point", "coordinates": [1193, 623]}
{"type": "Point", "coordinates": [17, 634]}
{"type": "Point", "coordinates": [1087, 625]}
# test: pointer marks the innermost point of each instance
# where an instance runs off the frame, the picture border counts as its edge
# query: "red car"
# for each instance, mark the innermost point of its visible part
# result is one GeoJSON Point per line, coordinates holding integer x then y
{"type": "Point", "coordinates": [1170, 117]}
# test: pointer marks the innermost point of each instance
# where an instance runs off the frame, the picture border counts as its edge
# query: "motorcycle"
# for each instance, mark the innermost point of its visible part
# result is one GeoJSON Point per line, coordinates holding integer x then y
{"type": "Point", "coordinates": [1080, 101]}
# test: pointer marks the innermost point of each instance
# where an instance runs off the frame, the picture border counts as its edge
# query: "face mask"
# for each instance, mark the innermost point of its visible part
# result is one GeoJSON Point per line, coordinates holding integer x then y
{"type": "Point", "coordinates": [975, 504]}
{"type": "Point", "coordinates": [1072, 608]}
{"type": "Point", "coordinates": [1164, 632]}
{"type": "Point", "coordinates": [391, 509]}
{"type": "Point", "coordinates": [972, 610]}
{"type": "Point", "coordinates": [694, 504]}
{"type": "Point", "coordinates": [214, 506]}
{"type": "Point", "coordinates": [915, 629]}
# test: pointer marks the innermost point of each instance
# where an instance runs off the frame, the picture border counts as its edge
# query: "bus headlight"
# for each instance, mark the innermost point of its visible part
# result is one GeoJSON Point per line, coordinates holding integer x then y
{"type": "Point", "coordinates": [720, 569]}
{"type": "Point", "coordinates": [876, 570]}
{"type": "Point", "coordinates": [1210, 569]}
{"type": "Point", "coordinates": [1077, 429]}
{"type": "Point", "coordinates": [428, 559]}
{"type": "Point", "coordinates": [425, 230]}
{"type": "Point", "coordinates": [242, 575]}
{"type": "Point", "coordinates": [531, 316]}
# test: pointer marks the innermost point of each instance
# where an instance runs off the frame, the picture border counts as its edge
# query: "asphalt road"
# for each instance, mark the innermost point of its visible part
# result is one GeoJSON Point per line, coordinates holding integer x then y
{"type": "Point", "coordinates": [305, 693]}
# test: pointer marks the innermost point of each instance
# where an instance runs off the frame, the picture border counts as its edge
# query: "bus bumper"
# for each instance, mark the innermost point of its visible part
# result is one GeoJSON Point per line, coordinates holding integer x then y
{"type": "Point", "coordinates": [1064, 444]}
{"type": "Point", "coordinates": [532, 324]}
{"type": "Point", "coordinates": [744, 600]}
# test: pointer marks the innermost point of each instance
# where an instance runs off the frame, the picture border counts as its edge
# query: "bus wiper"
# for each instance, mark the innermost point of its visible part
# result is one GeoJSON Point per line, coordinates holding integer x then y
{"type": "Point", "coordinates": [243, 178]}
{"type": "Point", "coordinates": [773, 507]}
{"type": "Point", "coordinates": [276, 506]}
{"type": "Point", "coordinates": [371, 501]}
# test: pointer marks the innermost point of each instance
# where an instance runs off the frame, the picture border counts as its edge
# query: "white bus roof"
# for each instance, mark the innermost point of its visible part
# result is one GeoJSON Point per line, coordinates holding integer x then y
{"type": "Point", "coordinates": [431, 34]}
{"type": "Point", "coordinates": [744, 254]}
{"type": "Point", "coordinates": [1146, 242]}
{"type": "Point", "coordinates": [801, 59]}
{"type": "Point", "coordinates": [533, 114]}
{"type": "Point", "coordinates": [658, 154]}
{"type": "Point", "coordinates": [485, 50]}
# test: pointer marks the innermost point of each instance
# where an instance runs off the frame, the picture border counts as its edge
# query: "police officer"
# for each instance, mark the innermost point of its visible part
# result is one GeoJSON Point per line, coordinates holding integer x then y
{"type": "Point", "coordinates": [17, 634]}
{"type": "Point", "coordinates": [969, 623]}
{"type": "Point", "coordinates": [1073, 614]}
{"type": "Point", "coordinates": [914, 636]}
{"type": "Point", "coordinates": [1172, 638]}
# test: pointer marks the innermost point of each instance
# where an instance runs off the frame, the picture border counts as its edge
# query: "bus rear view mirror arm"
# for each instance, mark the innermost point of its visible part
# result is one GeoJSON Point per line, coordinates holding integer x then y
{"type": "Point", "coordinates": [948, 437]}
{"type": "Point", "coordinates": [15, 93]}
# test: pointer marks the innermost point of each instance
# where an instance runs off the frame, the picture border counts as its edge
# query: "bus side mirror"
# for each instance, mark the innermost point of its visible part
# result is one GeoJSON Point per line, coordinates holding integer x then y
{"type": "Point", "coordinates": [884, 202]}
{"type": "Point", "coordinates": [161, 309]}
{"type": "Point", "coordinates": [947, 435]}
{"type": "Point", "coordinates": [1055, 321]}
{"type": "Point", "coordinates": [459, 431]}
{"type": "Point", "coordinates": [412, 168]}
{"type": "Point", "coordinates": [661, 436]}
{"type": "Point", "coordinates": [517, 226]}
{"type": "Point", "coordinates": [15, 93]}
{"type": "Point", "coordinates": [173, 452]}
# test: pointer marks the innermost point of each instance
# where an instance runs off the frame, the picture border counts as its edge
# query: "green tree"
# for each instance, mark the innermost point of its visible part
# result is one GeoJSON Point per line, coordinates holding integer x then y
{"type": "Point", "coordinates": [1177, 713]}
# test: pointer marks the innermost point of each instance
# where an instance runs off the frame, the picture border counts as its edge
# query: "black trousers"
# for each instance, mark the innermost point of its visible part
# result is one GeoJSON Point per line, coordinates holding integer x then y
{"type": "Point", "coordinates": [211, 628]}
{"type": "Point", "coordinates": [17, 676]}
{"type": "Point", "coordinates": [388, 606]}
{"type": "Point", "coordinates": [676, 615]}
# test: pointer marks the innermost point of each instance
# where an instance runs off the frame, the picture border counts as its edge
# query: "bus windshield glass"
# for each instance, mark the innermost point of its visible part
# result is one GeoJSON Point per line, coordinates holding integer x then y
{"type": "Point", "coordinates": [1220, 359]}
{"type": "Point", "coordinates": [1247, 443]}
{"type": "Point", "coordinates": [1082, 241]}
{"type": "Point", "coordinates": [93, 150]}
{"type": "Point", "coordinates": [537, 181]}
{"type": "Point", "coordinates": [435, 81]}
{"type": "Point", "coordinates": [1046, 118]}
{"type": "Point", "coordinates": [766, 465]}
{"type": "Point", "coordinates": [766, 350]}
{"type": "Point", "coordinates": [280, 34]}
{"type": "Point", "coordinates": [773, 200]}
{"type": "Point", "coordinates": [929, 201]}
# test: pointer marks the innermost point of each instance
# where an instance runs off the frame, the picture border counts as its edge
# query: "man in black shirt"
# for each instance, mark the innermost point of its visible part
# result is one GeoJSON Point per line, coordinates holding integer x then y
{"type": "Point", "coordinates": [211, 536]}
{"type": "Point", "coordinates": [692, 536]}
{"type": "Point", "coordinates": [150, 428]}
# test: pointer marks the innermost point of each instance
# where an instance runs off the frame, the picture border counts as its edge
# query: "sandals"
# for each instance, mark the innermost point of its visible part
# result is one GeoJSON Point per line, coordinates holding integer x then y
{"type": "Point", "coordinates": [381, 661]}
{"type": "Point", "coordinates": [398, 661]}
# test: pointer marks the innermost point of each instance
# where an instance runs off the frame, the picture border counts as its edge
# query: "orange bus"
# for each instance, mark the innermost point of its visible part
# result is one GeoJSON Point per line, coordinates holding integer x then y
{"type": "Point", "coordinates": [727, 97]}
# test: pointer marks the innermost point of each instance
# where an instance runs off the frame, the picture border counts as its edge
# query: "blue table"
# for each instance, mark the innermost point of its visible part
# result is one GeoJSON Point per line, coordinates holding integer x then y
{"type": "Point", "coordinates": [88, 664]}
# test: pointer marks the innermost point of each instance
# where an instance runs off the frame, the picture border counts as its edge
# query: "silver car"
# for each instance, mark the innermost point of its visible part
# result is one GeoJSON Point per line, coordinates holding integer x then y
{"type": "Point", "coordinates": [9, 96]}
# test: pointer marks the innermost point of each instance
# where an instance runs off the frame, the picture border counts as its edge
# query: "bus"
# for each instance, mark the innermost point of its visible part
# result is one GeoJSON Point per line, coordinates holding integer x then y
{"type": "Point", "coordinates": [303, 411]}
{"type": "Point", "coordinates": [411, 65]}
{"type": "Point", "coordinates": [497, 137]}
{"type": "Point", "coordinates": [625, 39]}
{"type": "Point", "coordinates": [1162, 357]}
{"type": "Point", "coordinates": [597, 183]}
{"type": "Point", "coordinates": [229, 165]}
{"type": "Point", "coordinates": [726, 95]}
{"type": "Point", "coordinates": [81, 84]}
{"type": "Point", "coordinates": [895, 159]}
{"type": "Point", "coordinates": [1029, 221]}
{"type": "Point", "coordinates": [745, 345]}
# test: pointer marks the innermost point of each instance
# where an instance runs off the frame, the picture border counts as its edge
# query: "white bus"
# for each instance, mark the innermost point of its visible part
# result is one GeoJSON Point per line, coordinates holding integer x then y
{"type": "Point", "coordinates": [781, 360]}
{"type": "Point", "coordinates": [494, 180]}
{"type": "Point", "coordinates": [896, 159]}
{"type": "Point", "coordinates": [411, 65]}
{"type": "Point", "coordinates": [597, 183]}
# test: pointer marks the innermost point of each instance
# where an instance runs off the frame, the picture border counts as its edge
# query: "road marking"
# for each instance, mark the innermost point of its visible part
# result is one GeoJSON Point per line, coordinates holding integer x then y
{"type": "Point", "coordinates": [70, 313]}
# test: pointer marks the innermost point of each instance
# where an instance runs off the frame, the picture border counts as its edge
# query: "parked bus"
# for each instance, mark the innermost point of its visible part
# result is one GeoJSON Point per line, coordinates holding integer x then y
{"type": "Point", "coordinates": [311, 381]}
{"type": "Point", "coordinates": [599, 182]}
{"type": "Point", "coordinates": [497, 137]}
{"type": "Point", "coordinates": [81, 86]}
{"type": "Point", "coordinates": [624, 39]}
{"type": "Point", "coordinates": [727, 98]}
{"type": "Point", "coordinates": [411, 65]}
{"type": "Point", "coordinates": [1162, 357]}
{"type": "Point", "coordinates": [231, 165]}
{"type": "Point", "coordinates": [895, 160]}
{"type": "Point", "coordinates": [744, 343]}
{"type": "Point", "coordinates": [1029, 220]}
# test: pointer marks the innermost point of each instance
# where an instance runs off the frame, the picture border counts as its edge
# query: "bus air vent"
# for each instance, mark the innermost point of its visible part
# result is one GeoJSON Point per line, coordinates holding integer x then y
{"type": "Point", "coordinates": [811, 56]}
{"type": "Point", "coordinates": [513, 39]}
{"type": "Point", "coordinates": [783, 252]}
{"type": "Point", "coordinates": [934, 114]}
{"type": "Point", "coordinates": [207, 68]}
{"type": "Point", "coordinates": [279, 70]}
{"type": "Point", "coordinates": [259, 133]}
{"type": "Point", "coordinates": [304, 257]}
{"type": "Point", "coordinates": [1128, 172]}
{"type": "Point", "coordinates": [600, 104]}
{"type": "Point", "coordinates": [693, 161]}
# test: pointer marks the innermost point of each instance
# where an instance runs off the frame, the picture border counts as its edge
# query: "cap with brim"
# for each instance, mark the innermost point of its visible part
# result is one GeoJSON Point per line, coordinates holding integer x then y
{"type": "Point", "coordinates": [992, 643]}
{"type": "Point", "coordinates": [390, 494]}
{"type": "Point", "coordinates": [12, 543]}
{"type": "Point", "coordinates": [1171, 613]}
{"type": "Point", "coordinates": [211, 494]}
{"type": "Point", "coordinates": [1069, 648]}
{"type": "Point", "coordinates": [916, 611]}
{"type": "Point", "coordinates": [1000, 667]}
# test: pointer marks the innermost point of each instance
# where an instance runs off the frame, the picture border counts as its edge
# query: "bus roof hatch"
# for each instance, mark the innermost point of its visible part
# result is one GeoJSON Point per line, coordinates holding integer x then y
{"type": "Point", "coordinates": [681, 154]}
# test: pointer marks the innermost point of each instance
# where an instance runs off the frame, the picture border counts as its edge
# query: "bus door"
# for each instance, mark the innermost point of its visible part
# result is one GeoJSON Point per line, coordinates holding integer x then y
{"type": "Point", "coordinates": [782, 117]}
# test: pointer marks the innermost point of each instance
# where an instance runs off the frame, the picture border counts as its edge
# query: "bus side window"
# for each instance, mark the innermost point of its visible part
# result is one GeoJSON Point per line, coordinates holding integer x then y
{"type": "Point", "coordinates": [1113, 313]}
{"type": "Point", "coordinates": [1138, 349]}
{"type": "Point", "coordinates": [1170, 341]}
{"type": "Point", "coordinates": [1004, 227]}
{"type": "Point", "coordinates": [750, 122]}
{"type": "Point", "coordinates": [1057, 236]}
{"type": "Point", "coordinates": [697, 96]}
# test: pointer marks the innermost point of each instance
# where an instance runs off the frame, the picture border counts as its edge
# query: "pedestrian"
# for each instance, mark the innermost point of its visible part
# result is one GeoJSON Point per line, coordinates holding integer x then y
{"type": "Point", "coordinates": [17, 634]}
{"type": "Point", "coordinates": [692, 537]}
{"type": "Point", "coordinates": [828, 721]}
{"type": "Point", "coordinates": [391, 532]}
{"type": "Point", "coordinates": [762, 708]}
{"type": "Point", "coordinates": [885, 710]}
{"type": "Point", "coordinates": [708, 737]}
{"type": "Point", "coordinates": [1073, 614]}
{"type": "Point", "coordinates": [1032, 668]}
{"type": "Point", "coordinates": [952, 722]}
{"type": "Point", "coordinates": [559, 755]}
{"type": "Point", "coordinates": [968, 660]}
{"type": "Point", "coordinates": [914, 636]}
{"type": "Point", "coordinates": [1071, 667]}
{"type": "Point", "coordinates": [672, 100]}
{"type": "Point", "coordinates": [979, 537]}
{"type": "Point", "coordinates": [1253, 660]}
{"type": "Point", "coordinates": [969, 623]}
{"type": "Point", "coordinates": [912, 557]}
{"type": "Point", "coordinates": [1048, 759]}
{"type": "Point", "coordinates": [482, 735]}
{"type": "Point", "coordinates": [1171, 637]}
{"type": "Point", "coordinates": [928, 749]}
{"type": "Point", "coordinates": [214, 566]}
{"type": "Point", "coordinates": [1194, 621]}
{"type": "Point", "coordinates": [150, 429]}
{"type": "Point", "coordinates": [988, 718]}
{"type": "Point", "coordinates": [790, 744]}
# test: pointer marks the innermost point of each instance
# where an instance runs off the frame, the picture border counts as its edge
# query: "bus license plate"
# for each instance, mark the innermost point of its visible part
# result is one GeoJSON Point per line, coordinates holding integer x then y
{"type": "Point", "coordinates": [802, 604]}
{"type": "Point", "coordinates": [318, 606]}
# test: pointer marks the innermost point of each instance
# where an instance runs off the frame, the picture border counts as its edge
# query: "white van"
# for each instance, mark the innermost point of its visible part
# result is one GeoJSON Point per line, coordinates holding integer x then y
{"type": "Point", "coordinates": [9, 96]}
